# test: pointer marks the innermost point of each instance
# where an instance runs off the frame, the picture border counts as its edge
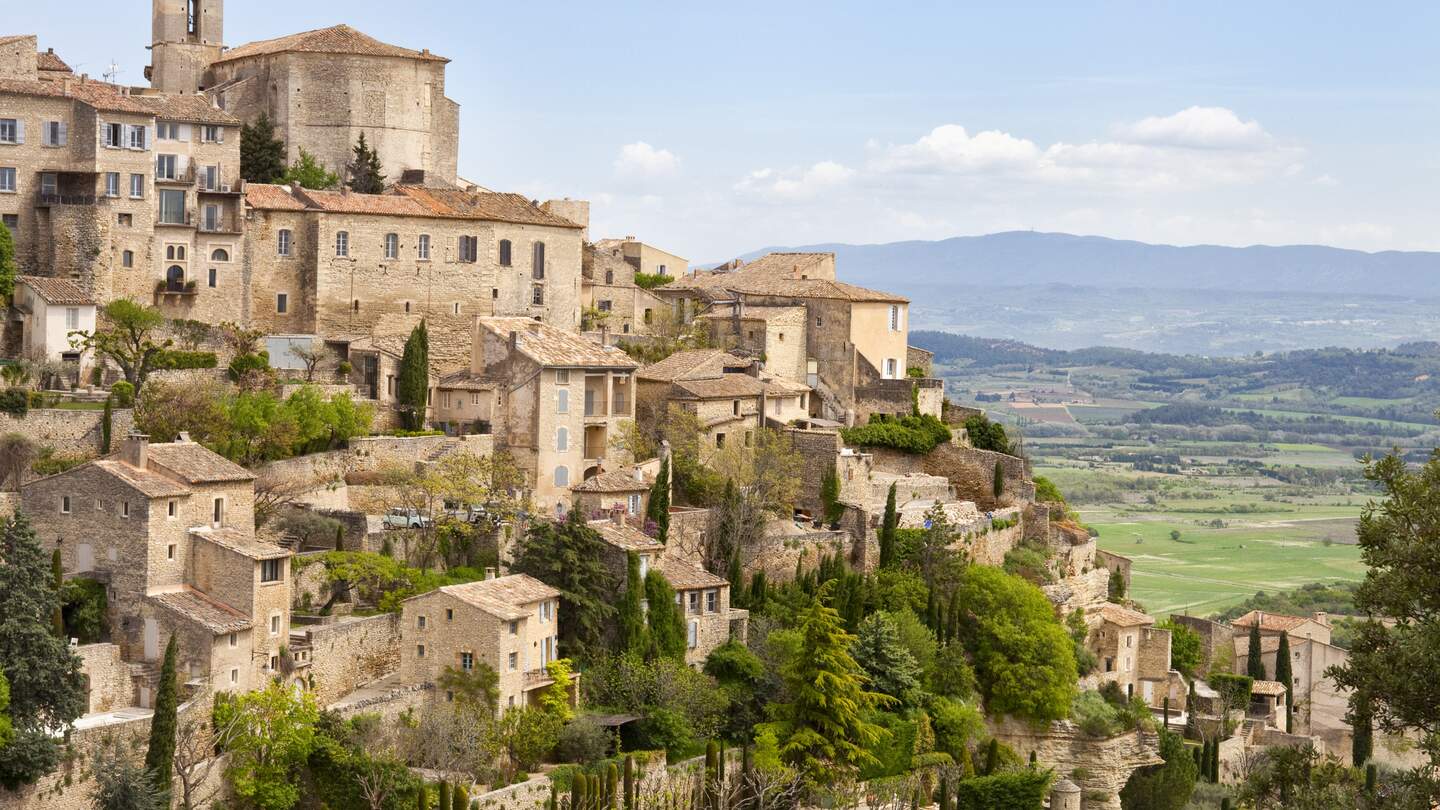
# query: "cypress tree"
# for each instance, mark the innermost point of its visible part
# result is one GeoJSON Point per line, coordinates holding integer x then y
{"type": "Point", "coordinates": [632, 610]}
{"type": "Point", "coordinates": [339, 538]}
{"type": "Point", "coordinates": [160, 757]}
{"type": "Point", "coordinates": [887, 530]}
{"type": "Point", "coordinates": [444, 801]}
{"type": "Point", "coordinates": [612, 776]}
{"type": "Point", "coordinates": [758, 590]}
{"type": "Point", "coordinates": [1362, 742]}
{"type": "Point", "coordinates": [1225, 803]}
{"type": "Point", "coordinates": [262, 155]}
{"type": "Point", "coordinates": [1284, 676]}
{"type": "Point", "coordinates": [1215, 762]}
{"type": "Point", "coordinates": [554, 802]}
{"type": "Point", "coordinates": [932, 613]}
{"type": "Point", "coordinates": [412, 385]}
{"type": "Point", "coordinates": [1192, 726]}
{"type": "Point", "coordinates": [966, 765]}
{"type": "Point", "coordinates": [830, 496]}
{"type": "Point", "coordinates": [106, 425]}
{"type": "Point", "coordinates": [1371, 776]}
{"type": "Point", "coordinates": [1034, 760]}
{"type": "Point", "coordinates": [1166, 714]}
{"type": "Point", "coordinates": [667, 627]}
{"type": "Point", "coordinates": [57, 575]}
{"type": "Point", "coordinates": [658, 509]}
{"type": "Point", "coordinates": [944, 798]}
{"type": "Point", "coordinates": [7, 264]}
{"type": "Point", "coordinates": [992, 756]}
{"type": "Point", "coordinates": [952, 619]}
{"type": "Point", "coordinates": [1255, 663]}
{"type": "Point", "coordinates": [736, 575]}
{"type": "Point", "coordinates": [460, 798]}
{"type": "Point", "coordinates": [577, 792]}
{"type": "Point", "coordinates": [997, 486]}
{"type": "Point", "coordinates": [629, 782]}
{"type": "Point", "coordinates": [422, 799]}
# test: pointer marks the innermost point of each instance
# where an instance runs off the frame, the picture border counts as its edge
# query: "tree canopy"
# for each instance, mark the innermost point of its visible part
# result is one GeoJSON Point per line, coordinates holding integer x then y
{"type": "Point", "coordinates": [262, 155]}
{"type": "Point", "coordinates": [567, 555]}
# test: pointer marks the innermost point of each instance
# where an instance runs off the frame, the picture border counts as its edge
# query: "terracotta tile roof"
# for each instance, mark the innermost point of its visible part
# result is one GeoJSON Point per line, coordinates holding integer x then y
{"type": "Point", "coordinates": [188, 107]}
{"type": "Point", "coordinates": [726, 386]}
{"type": "Point", "coordinates": [101, 96]}
{"type": "Point", "coordinates": [684, 576]}
{"type": "Point", "coordinates": [241, 543]}
{"type": "Point", "coordinates": [506, 597]}
{"type": "Point", "coordinates": [778, 274]}
{"type": "Point", "coordinates": [47, 60]}
{"type": "Point", "coordinates": [1270, 688]}
{"type": "Point", "coordinates": [344, 202]}
{"type": "Point", "coordinates": [757, 313]}
{"type": "Point", "coordinates": [1270, 622]}
{"type": "Point", "coordinates": [621, 480]}
{"type": "Point", "coordinates": [625, 538]}
{"type": "Point", "coordinates": [550, 346]}
{"type": "Point", "coordinates": [779, 386]}
{"type": "Point", "coordinates": [693, 365]}
{"type": "Point", "coordinates": [271, 197]}
{"type": "Point", "coordinates": [486, 205]}
{"type": "Point", "coordinates": [790, 264]}
{"type": "Point", "coordinates": [196, 464]}
{"type": "Point", "coordinates": [1125, 617]}
{"type": "Point", "coordinates": [215, 616]}
{"type": "Point", "coordinates": [467, 380]}
{"type": "Point", "coordinates": [335, 39]}
{"type": "Point", "coordinates": [147, 482]}
{"type": "Point", "coordinates": [57, 290]}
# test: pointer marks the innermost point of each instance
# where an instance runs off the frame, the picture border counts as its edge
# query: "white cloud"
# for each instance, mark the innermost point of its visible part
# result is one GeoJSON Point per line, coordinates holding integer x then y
{"type": "Point", "coordinates": [1325, 180]}
{"type": "Point", "coordinates": [795, 184]}
{"type": "Point", "coordinates": [640, 159]}
{"type": "Point", "coordinates": [951, 148]}
{"type": "Point", "coordinates": [1197, 128]}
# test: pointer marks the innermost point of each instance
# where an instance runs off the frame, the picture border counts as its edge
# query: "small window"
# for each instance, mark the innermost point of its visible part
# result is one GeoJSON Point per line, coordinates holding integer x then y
{"type": "Point", "coordinates": [419, 650]}
{"type": "Point", "coordinates": [170, 509]}
{"type": "Point", "coordinates": [537, 295]}
{"type": "Point", "coordinates": [234, 675]}
{"type": "Point", "coordinates": [213, 277]}
{"type": "Point", "coordinates": [217, 512]}
{"type": "Point", "coordinates": [125, 219]}
{"type": "Point", "coordinates": [219, 255]}
{"type": "Point", "coordinates": [712, 601]}
{"type": "Point", "coordinates": [562, 440]}
{"type": "Point", "coordinates": [469, 249]}
{"type": "Point", "coordinates": [735, 407]}
{"type": "Point", "coordinates": [212, 134]}
{"type": "Point", "coordinates": [894, 318]}
{"type": "Point", "coordinates": [275, 625]}
{"type": "Point", "coordinates": [10, 129]}
{"type": "Point", "coordinates": [818, 320]}
{"type": "Point", "coordinates": [514, 626]}
{"type": "Point", "coordinates": [562, 400]}
{"type": "Point", "coordinates": [694, 599]}
{"type": "Point", "coordinates": [449, 614]}
{"type": "Point", "coordinates": [692, 635]}
{"type": "Point", "coordinates": [719, 439]}
{"type": "Point", "coordinates": [537, 261]}
{"type": "Point", "coordinates": [422, 247]}
{"type": "Point", "coordinates": [65, 504]}
{"type": "Point", "coordinates": [170, 552]}
{"type": "Point", "coordinates": [420, 622]}
{"type": "Point", "coordinates": [504, 252]}
{"type": "Point", "coordinates": [112, 184]}
{"type": "Point", "coordinates": [282, 302]}
{"type": "Point", "coordinates": [72, 318]}
{"type": "Point", "coordinates": [137, 186]}
{"type": "Point", "coordinates": [632, 504]}
{"type": "Point", "coordinates": [562, 476]}
{"type": "Point", "coordinates": [562, 376]}
{"type": "Point", "coordinates": [282, 242]}
{"type": "Point", "coordinates": [392, 245]}
{"type": "Point", "coordinates": [234, 639]}
{"type": "Point", "coordinates": [342, 243]}
{"type": "Point", "coordinates": [457, 307]}
{"type": "Point", "coordinates": [271, 570]}
{"type": "Point", "coordinates": [125, 509]}
{"type": "Point", "coordinates": [609, 276]}
{"type": "Point", "coordinates": [7, 178]}
{"type": "Point", "coordinates": [467, 661]}
{"type": "Point", "coordinates": [513, 661]}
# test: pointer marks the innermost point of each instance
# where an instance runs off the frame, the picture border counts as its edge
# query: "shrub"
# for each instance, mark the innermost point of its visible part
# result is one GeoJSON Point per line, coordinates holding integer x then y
{"type": "Point", "coordinates": [49, 462]}
{"type": "Point", "coordinates": [667, 729]}
{"type": "Point", "coordinates": [911, 434]}
{"type": "Point", "coordinates": [177, 359]}
{"type": "Point", "coordinates": [124, 394]}
{"type": "Point", "coordinates": [243, 364]}
{"type": "Point", "coordinates": [1021, 790]}
{"type": "Point", "coordinates": [987, 435]}
{"type": "Point", "coordinates": [1046, 491]}
{"type": "Point", "coordinates": [14, 401]}
{"type": "Point", "coordinates": [649, 281]}
{"type": "Point", "coordinates": [582, 741]}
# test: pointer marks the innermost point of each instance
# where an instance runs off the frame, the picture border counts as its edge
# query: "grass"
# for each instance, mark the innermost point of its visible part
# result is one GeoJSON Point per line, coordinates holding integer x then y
{"type": "Point", "coordinates": [79, 406]}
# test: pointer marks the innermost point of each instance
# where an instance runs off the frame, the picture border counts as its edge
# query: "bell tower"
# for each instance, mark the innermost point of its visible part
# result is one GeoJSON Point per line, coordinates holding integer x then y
{"type": "Point", "coordinates": [185, 37]}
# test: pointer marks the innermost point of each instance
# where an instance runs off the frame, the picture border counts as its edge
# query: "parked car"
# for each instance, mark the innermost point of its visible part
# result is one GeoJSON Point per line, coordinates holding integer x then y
{"type": "Point", "coordinates": [403, 518]}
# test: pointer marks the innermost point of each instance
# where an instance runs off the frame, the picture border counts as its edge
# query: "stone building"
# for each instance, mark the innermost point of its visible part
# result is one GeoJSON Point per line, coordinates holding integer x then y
{"type": "Point", "coordinates": [644, 258]}
{"type": "Point", "coordinates": [730, 395]}
{"type": "Point", "coordinates": [561, 400]}
{"type": "Point", "coordinates": [49, 310]}
{"type": "Point", "coordinates": [625, 490]}
{"type": "Point", "coordinates": [1320, 704]}
{"type": "Point", "coordinates": [169, 528]}
{"type": "Point", "coordinates": [507, 623]}
{"type": "Point", "coordinates": [1132, 653]}
{"type": "Point", "coordinates": [776, 334]}
{"type": "Point", "coordinates": [609, 295]}
{"type": "Point", "coordinates": [345, 266]}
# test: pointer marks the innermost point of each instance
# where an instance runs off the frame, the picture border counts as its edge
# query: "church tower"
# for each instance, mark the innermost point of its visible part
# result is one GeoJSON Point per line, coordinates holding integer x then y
{"type": "Point", "coordinates": [186, 36]}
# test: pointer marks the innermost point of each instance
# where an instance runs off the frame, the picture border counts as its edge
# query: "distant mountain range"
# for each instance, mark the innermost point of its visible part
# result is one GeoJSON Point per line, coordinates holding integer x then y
{"type": "Point", "coordinates": [1024, 258]}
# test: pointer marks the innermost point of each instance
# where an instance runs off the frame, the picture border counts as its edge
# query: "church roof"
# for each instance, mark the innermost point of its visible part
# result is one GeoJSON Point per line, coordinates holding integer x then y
{"type": "Point", "coordinates": [340, 39]}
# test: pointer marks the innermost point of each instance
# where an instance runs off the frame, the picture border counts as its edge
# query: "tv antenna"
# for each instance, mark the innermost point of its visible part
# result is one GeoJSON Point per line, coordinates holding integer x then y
{"type": "Point", "coordinates": [111, 72]}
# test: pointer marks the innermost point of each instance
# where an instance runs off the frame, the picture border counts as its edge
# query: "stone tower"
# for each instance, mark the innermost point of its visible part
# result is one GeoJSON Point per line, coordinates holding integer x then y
{"type": "Point", "coordinates": [186, 37]}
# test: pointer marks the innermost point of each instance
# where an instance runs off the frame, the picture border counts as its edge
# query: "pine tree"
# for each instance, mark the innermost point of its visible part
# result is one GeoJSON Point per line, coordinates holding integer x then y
{"type": "Point", "coordinates": [106, 425]}
{"type": "Point", "coordinates": [1283, 675]}
{"type": "Point", "coordinates": [365, 173]}
{"type": "Point", "coordinates": [633, 631]}
{"type": "Point", "coordinates": [667, 626]}
{"type": "Point", "coordinates": [160, 757]}
{"type": "Point", "coordinates": [567, 555]}
{"type": "Point", "coordinates": [1254, 663]}
{"type": "Point", "coordinates": [823, 730]}
{"type": "Point", "coordinates": [413, 383]}
{"type": "Point", "coordinates": [887, 531]}
{"type": "Point", "coordinates": [308, 172]}
{"type": "Point", "coordinates": [262, 155]}
{"type": "Point", "coordinates": [57, 614]}
{"type": "Point", "coordinates": [658, 509]}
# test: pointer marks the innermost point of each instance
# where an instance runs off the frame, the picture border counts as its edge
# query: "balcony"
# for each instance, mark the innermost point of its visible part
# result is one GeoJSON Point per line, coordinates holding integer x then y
{"type": "Point", "coordinates": [218, 188]}
{"type": "Point", "coordinates": [47, 199]}
{"type": "Point", "coordinates": [188, 221]}
{"type": "Point", "coordinates": [168, 288]}
{"type": "Point", "coordinates": [221, 225]}
{"type": "Point", "coordinates": [180, 178]}
{"type": "Point", "coordinates": [536, 679]}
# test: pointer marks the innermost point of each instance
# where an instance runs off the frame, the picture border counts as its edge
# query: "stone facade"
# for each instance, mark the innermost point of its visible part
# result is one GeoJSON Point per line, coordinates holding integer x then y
{"type": "Point", "coordinates": [71, 432]}
{"type": "Point", "coordinates": [1100, 766]}
{"type": "Point", "coordinates": [352, 652]}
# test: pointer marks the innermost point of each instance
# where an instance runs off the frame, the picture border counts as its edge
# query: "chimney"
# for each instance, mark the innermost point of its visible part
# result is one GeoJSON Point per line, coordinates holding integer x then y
{"type": "Point", "coordinates": [604, 335]}
{"type": "Point", "coordinates": [1321, 617]}
{"type": "Point", "coordinates": [489, 572]}
{"type": "Point", "coordinates": [639, 475]}
{"type": "Point", "coordinates": [617, 517]}
{"type": "Point", "coordinates": [134, 450]}
{"type": "Point", "coordinates": [514, 340]}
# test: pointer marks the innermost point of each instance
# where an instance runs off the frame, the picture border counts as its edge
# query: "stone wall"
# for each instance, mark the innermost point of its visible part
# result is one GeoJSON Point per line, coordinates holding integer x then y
{"type": "Point", "coordinates": [1112, 562]}
{"type": "Point", "coordinates": [350, 653]}
{"type": "Point", "coordinates": [69, 432]}
{"type": "Point", "coordinates": [990, 547]}
{"type": "Point", "coordinates": [1085, 592]}
{"type": "Point", "coordinates": [111, 686]}
{"type": "Point", "coordinates": [1100, 766]}
{"type": "Point", "coordinates": [971, 471]}
{"type": "Point", "coordinates": [817, 450]}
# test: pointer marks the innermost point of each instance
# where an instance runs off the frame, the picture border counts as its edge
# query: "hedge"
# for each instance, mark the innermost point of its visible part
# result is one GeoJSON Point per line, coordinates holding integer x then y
{"type": "Point", "coordinates": [179, 359]}
{"type": "Point", "coordinates": [1011, 790]}
{"type": "Point", "coordinates": [911, 434]}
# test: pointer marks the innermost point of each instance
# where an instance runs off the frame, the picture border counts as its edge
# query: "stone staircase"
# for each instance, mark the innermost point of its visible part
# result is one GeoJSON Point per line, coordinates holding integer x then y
{"type": "Point", "coordinates": [144, 674]}
{"type": "Point", "coordinates": [444, 449]}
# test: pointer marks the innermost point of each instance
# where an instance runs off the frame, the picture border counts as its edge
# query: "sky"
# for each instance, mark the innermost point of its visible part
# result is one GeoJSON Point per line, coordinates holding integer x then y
{"type": "Point", "coordinates": [714, 129]}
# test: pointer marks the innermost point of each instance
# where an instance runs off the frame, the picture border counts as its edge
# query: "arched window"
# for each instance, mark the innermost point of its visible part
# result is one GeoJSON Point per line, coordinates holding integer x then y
{"type": "Point", "coordinates": [562, 440]}
{"type": "Point", "coordinates": [504, 252]}
{"type": "Point", "coordinates": [537, 260]}
{"type": "Point", "coordinates": [219, 255]}
{"type": "Point", "coordinates": [175, 277]}
{"type": "Point", "coordinates": [392, 245]}
{"type": "Point", "coordinates": [562, 476]}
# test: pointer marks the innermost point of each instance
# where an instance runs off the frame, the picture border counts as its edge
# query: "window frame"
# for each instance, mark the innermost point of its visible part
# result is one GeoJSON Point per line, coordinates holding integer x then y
{"type": "Point", "coordinates": [392, 246]}
{"type": "Point", "coordinates": [342, 244]}
{"type": "Point", "coordinates": [284, 242]}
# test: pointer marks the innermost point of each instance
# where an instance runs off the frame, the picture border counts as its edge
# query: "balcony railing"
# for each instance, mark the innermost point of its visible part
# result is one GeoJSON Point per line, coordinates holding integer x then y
{"type": "Point", "coordinates": [222, 225]}
{"type": "Point", "coordinates": [188, 219]}
{"type": "Point", "coordinates": [164, 287]}
{"type": "Point", "coordinates": [50, 198]}
{"type": "Point", "coordinates": [183, 177]}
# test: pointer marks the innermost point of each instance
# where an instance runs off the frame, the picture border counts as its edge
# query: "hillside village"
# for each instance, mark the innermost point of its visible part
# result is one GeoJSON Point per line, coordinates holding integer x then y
{"type": "Point", "coordinates": [408, 456]}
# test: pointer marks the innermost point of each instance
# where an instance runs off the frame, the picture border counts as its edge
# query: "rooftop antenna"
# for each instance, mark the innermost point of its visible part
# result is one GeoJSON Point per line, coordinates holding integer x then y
{"type": "Point", "coordinates": [111, 72]}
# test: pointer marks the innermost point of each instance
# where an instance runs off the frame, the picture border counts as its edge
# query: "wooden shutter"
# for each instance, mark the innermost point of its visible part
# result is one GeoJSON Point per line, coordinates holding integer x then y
{"type": "Point", "coordinates": [19, 130]}
{"type": "Point", "coordinates": [64, 136]}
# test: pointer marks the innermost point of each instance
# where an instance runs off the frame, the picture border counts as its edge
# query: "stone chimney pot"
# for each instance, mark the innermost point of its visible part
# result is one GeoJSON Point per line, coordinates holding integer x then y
{"type": "Point", "coordinates": [135, 450]}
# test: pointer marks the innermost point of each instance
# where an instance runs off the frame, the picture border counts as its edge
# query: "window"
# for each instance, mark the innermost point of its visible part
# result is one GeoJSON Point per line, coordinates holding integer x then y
{"type": "Point", "coordinates": [72, 317]}
{"type": "Point", "coordinates": [219, 255]}
{"type": "Point", "coordinates": [282, 302]}
{"type": "Point", "coordinates": [392, 245]}
{"type": "Point", "coordinates": [125, 509]}
{"type": "Point", "coordinates": [170, 552]}
{"type": "Point", "coordinates": [467, 661]}
{"type": "Point", "coordinates": [165, 167]}
{"type": "Point", "coordinates": [692, 634]}
{"type": "Point", "coordinates": [735, 407]}
{"type": "Point", "coordinates": [420, 622]}
{"type": "Point", "coordinates": [719, 439]}
{"type": "Point", "coordinates": [217, 512]}
{"type": "Point", "coordinates": [469, 249]}
{"type": "Point", "coordinates": [342, 243]}
{"type": "Point", "coordinates": [890, 368]}
{"type": "Point", "coordinates": [234, 675]}
{"type": "Point", "coordinates": [604, 306]}
{"type": "Point", "coordinates": [167, 131]}
{"type": "Point", "coordinates": [137, 186]}
{"type": "Point", "coordinates": [609, 276]}
{"type": "Point", "coordinates": [7, 178]}
{"type": "Point", "coordinates": [514, 626]}
{"type": "Point", "coordinates": [65, 504]}
{"type": "Point", "coordinates": [712, 601]}
{"type": "Point", "coordinates": [562, 440]}
{"type": "Point", "coordinates": [449, 614]}
{"type": "Point", "coordinates": [562, 376]}
{"type": "Point", "coordinates": [137, 136]}
{"type": "Point", "coordinates": [170, 509]}
{"type": "Point", "coordinates": [457, 307]}
{"type": "Point", "coordinates": [210, 178]}
{"type": "Point", "coordinates": [49, 183]}
{"type": "Point", "coordinates": [537, 260]}
{"type": "Point", "coordinates": [112, 184]}
{"type": "Point", "coordinates": [11, 221]}
{"type": "Point", "coordinates": [562, 476]}
{"type": "Point", "coordinates": [114, 135]}
{"type": "Point", "coordinates": [562, 400]}
{"type": "Point", "coordinates": [422, 247]}
{"type": "Point", "coordinates": [172, 206]}
{"type": "Point", "coordinates": [127, 258]}
{"type": "Point", "coordinates": [694, 598]}
{"type": "Point", "coordinates": [894, 319]}
{"type": "Point", "coordinates": [537, 295]}
{"type": "Point", "coordinates": [282, 242]}
{"type": "Point", "coordinates": [660, 269]}
{"type": "Point", "coordinates": [419, 650]}
{"type": "Point", "coordinates": [632, 504]}
{"type": "Point", "coordinates": [504, 252]}
{"type": "Point", "coordinates": [212, 277]}
{"type": "Point", "coordinates": [212, 217]}
{"type": "Point", "coordinates": [513, 661]}
{"type": "Point", "coordinates": [234, 638]}
{"type": "Point", "coordinates": [271, 571]}
{"type": "Point", "coordinates": [212, 134]}
{"type": "Point", "coordinates": [175, 252]}
{"type": "Point", "coordinates": [11, 130]}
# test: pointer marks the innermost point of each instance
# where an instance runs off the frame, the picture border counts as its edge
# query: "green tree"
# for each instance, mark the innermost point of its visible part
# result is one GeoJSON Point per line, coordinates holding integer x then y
{"type": "Point", "coordinates": [7, 263]}
{"type": "Point", "coordinates": [567, 555]}
{"type": "Point", "coordinates": [57, 576]}
{"type": "Point", "coordinates": [634, 635]}
{"type": "Point", "coordinates": [46, 687]}
{"type": "Point", "coordinates": [1284, 676]}
{"type": "Point", "coordinates": [107, 425]}
{"type": "Point", "coordinates": [1163, 787]}
{"type": "Point", "coordinates": [527, 734]}
{"type": "Point", "coordinates": [477, 689]}
{"type": "Point", "coordinates": [7, 729]}
{"type": "Point", "coordinates": [1185, 648]}
{"type": "Point", "coordinates": [160, 756]}
{"type": "Point", "coordinates": [1254, 660]}
{"type": "Point", "coordinates": [667, 625]}
{"type": "Point", "coordinates": [309, 172]}
{"type": "Point", "coordinates": [887, 531]}
{"type": "Point", "coordinates": [997, 480]}
{"type": "Point", "coordinates": [555, 698]}
{"type": "Point", "coordinates": [1362, 741]}
{"type": "Point", "coordinates": [366, 176]}
{"type": "Point", "coordinates": [1115, 591]}
{"type": "Point", "coordinates": [1024, 658]}
{"type": "Point", "coordinates": [120, 782]}
{"type": "Point", "coordinates": [658, 509]}
{"type": "Point", "coordinates": [887, 662]}
{"type": "Point", "coordinates": [830, 496]}
{"type": "Point", "coordinates": [270, 733]}
{"type": "Point", "coordinates": [821, 727]}
{"type": "Point", "coordinates": [412, 385]}
{"type": "Point", "coordinates": [130, 339]}
{"type": "Point", "coordinates": [262, 155]}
